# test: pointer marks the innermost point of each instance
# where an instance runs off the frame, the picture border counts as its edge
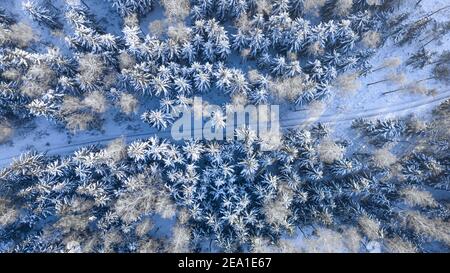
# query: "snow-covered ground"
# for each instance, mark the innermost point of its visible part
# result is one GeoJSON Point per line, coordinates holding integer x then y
{"type": "Point", "coordinates": [369, 101]}
{"type": "Point", "coordinates": [339, 110]}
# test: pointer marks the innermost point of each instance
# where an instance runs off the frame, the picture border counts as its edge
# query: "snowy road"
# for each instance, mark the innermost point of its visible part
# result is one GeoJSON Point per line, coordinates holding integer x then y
{"type": "Point", "coordinates": [387, 111]}
{"type": "Point", "coordinates": [292, 120]}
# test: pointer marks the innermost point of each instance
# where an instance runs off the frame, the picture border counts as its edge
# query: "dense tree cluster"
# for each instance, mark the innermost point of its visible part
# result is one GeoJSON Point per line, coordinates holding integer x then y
{"type": "Point", "coordinates": [224, 195]}
{"type": "Point", "coordinates": [233, 191]}
{"type": "Point", "coordinates": [189, 59]}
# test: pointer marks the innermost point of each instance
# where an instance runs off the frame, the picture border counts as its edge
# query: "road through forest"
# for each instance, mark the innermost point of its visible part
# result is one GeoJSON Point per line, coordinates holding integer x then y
{"type": "Point", "coordinates": [292, 120]}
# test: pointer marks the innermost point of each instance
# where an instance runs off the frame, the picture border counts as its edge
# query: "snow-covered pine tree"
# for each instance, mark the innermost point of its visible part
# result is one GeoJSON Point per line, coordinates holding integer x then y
{"type": "Point", "coordinates": [47, 106]}
{"type": "Point", "coordinates": [157, 119]}
{"type": "Point", "coordinates": [128, 7]}
{"type": "Point", "coordinates": [139, 78]}
{"type": "Point", "coordinates": [420, 59]}
{"type": "Point", "coordinates": [296, 8]}
{"type": "Point", "coordinates": [42, 13]}
{"type": "Point", "coordinates": [380, 131]}
{"type": "Point", "coordinates": [5, 18]}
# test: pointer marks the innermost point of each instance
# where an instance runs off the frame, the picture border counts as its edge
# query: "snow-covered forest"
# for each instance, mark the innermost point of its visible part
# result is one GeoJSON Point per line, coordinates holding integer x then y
{"type": "Point", "coordinates": [89, 91]}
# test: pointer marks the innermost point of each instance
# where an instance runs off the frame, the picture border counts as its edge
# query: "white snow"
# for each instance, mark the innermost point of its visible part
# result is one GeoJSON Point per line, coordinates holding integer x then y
{"type": "Point", "coordinates": [367, 102]}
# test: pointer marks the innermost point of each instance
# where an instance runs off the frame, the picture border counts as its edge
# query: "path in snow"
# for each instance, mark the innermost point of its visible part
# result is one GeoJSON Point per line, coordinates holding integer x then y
{"type": "Point", "coordinates": [294, 120]}
{"type": "Point", "coordinates": [368, 101]}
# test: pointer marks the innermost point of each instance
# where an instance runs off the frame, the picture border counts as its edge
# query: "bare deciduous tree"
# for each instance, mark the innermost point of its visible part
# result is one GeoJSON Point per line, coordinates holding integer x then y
{"type": "Point", "coordinates": [179, 33]}
{"type": "Point", "coordinates": [352, 239]}
{"type": "Point", "coordinates": [371, 39]}
{"type": "Point", "coordinates": [6, 131]}
{"type": "Point", "coordinates": [348, 83]}
{"type": "Point", "coordinates": [126, 61]}
{"type": "Point", "coordinates": [313, 6]}
{"type": "Point", "coordinates": [414, 196]}
{"type": "Point", "coordinates": [158, 28]}
{"type": "Point", "coordinates": [165, 207]}
{"type": "Point", "coordinates": [389, 63]}
{"type": "Point", "coordinates": [374, 2]}
{"type": "Point", "coordinates": [277, 210]}
{"type": "Point", "coordinates": [260, 245]}
{"type": "Point", "coordinates": [330, 241]}
{"type": "Point", "coordinates": [81, 122]}
{"type": "Point", "coordinates": [131, 20]}
{"type": "Point", "coordinates": [128, 104]}
{"type": "Point", "coordinates": [433, 228]}
{"type": "Point", "coordinates": [370, 228]}
{"type": "Point", "coordinates": [116, 150]}
{"type": "Point", "coordinates": [96, 101]}
{"type": "Point", "coordinates": [399, 245]}
{"type": "Point", "coordinates": [150, 245]}
{"type": "Point", "coordinates": [12, 74]}
{"type": "Point", "coordinates": [144, 227]}
{"type": "Point", "coordinates": [22, 34]}
{"type": "Point", "coordinates": [180, 239]}
{"type": "Point", "coordinates": [288, 89]}
{"type": "Point", "coordinates": [415, 88]}
{"type": "Point", "coordinates": [90, 71]}
{"type": "Point", "coordinates": [343, 7]}
{"type": "Point", "coordinates": [38, 80]}
{"type": "Point", "coordinates": [383, 158]}
{"type": "Point", "coordinates": [8, 213]}
{"type": "Point", "coordinates": [396, 78]}
{"type": "Point", "coordinates": [329, 151]}
{"type": "Point", "coordinates": [176, 10]}
{"type": "Point", "coordinates": [315, 49]}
